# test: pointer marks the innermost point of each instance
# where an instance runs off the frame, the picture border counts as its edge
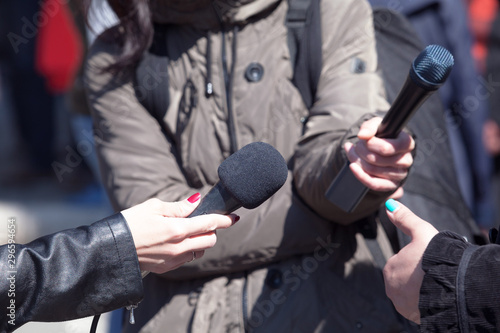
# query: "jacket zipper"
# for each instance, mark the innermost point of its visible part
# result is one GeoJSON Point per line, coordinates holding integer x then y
{"type": "Point", "coordinates": [131, 308]}
{"type": "Point", "coordinates": [228, 81]}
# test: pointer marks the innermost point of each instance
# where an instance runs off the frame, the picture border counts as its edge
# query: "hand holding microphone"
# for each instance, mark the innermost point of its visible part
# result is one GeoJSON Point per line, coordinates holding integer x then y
{"type": "Point", "coordinates": [381, 158]}
{"type": "Point", "coordinates": [164, 239]}
{"type": "Point", "coordinates": [380, 164]}
{"type": "Point", "coordinates": [247, 178]}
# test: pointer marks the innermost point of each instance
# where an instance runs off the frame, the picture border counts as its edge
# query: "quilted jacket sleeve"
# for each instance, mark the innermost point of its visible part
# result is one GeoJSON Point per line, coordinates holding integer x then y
{"type": "Point", "coordinates": [349, 92]}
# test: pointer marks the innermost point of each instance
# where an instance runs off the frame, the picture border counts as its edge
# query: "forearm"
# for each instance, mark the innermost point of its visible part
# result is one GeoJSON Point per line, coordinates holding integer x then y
{"type": "Point", "coordinates": [313, 185]}
{"type": "Point", "coordinates": [345, 98]}
{"type": "Point", "coordinates": [71, 274]}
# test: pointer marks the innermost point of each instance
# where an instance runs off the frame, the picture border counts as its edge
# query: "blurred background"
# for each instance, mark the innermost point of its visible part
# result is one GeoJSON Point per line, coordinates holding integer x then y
{"type": "Point", "coordinates": [49, 177]}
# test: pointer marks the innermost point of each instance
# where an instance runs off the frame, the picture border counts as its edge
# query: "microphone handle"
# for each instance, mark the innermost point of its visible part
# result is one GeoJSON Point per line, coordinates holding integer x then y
{"type": "Point", "coordinates": [409, 100]}
{"type": "Point", "coordinates": [217, 201]}
{"type": "Point", "coordinates": [346, 191]}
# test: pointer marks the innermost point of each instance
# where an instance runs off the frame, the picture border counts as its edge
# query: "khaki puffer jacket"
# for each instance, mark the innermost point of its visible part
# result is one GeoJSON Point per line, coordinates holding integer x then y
{"type": "Point", "coordinates": [271, 256]}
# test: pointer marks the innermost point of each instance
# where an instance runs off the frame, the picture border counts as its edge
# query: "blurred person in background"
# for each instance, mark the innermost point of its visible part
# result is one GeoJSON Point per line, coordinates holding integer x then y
{"type": "Point", "coordinates": [47, 40]}
{"type": "Point", "coordinates": [486, 36]}
{"type": "Point", "coordinates": [43, 169]}
{"type": "Point", "coordinates": [100, 17]}
{"type": "Point", "coordinates": [491, 54]}
{"type": "Point", "coordinates": [481, 14]}
{"type": "Point", "coordinates": [32, 100]}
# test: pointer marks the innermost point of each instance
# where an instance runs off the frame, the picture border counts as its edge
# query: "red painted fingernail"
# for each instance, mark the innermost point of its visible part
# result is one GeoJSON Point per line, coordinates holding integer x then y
{"type": "Point", "coordinates": [236, 218]}
{"type": "Point", "coordinates": [195, 197]}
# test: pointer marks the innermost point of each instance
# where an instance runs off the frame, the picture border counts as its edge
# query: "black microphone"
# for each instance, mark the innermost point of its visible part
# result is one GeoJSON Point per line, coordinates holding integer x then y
{"type": "Point", "coordinates": [428, 72]}
{"type": "Point", "coordinates": [247, 178]}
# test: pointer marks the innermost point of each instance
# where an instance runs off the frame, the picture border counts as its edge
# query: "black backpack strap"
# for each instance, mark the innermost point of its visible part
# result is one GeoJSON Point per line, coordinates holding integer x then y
{"type": "Point", "coordinates": [368, 228]}
{"type": "Point", "coordinates": [303, 21]}
{"type": "Point", "coordinates": [151, 76]}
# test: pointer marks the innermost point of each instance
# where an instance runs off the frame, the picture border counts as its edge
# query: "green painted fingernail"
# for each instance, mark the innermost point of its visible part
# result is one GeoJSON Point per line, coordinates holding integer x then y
{"type": "Point", "coordinates": [391, 205]}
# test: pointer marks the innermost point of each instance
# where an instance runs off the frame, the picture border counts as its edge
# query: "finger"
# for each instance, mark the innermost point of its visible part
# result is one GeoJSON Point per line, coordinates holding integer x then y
{"type": "Point", "coordinates": [405, 220]}
{"type": "Point", "coordinates": [184, 259]}
{"type": "Point", "coordinates": [369, 128]}
{"type": "Point", "coordinates": [387, 177]}
{"type": "Point", "coordinates": [394, 175]}
{"type": "Point", "coordinates": [377, 179]}
{"type": "Point", "coordinates": [174, 263]}
{"type": "Point", "coordinates": [403, 143]}
{"type": "Point", "coordinates": [373, 183]}
{"type": "Point", "coordinates": [392, 168]}
{"type": "Point", "coordinates": [198, 242]}
{"type": "Point", "coordinates": [193, 255]}
{"type": "Point", "coordinates": [349, 149]}
{"type": "Point", "coordinates": [398, 194]}
{"type": "Point", "coordinates": [397, 160]}
{"type": "Point", "coordinates": [183, 228]}
{"type": "Point", "coordinates": [180, 208]}
{"type": "Point", "coordinates": [199, 254]}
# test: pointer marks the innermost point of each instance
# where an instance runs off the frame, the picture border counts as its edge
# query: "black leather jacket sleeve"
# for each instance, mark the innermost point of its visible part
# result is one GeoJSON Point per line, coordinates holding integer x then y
{"type": "Point", "coordinates": [70, 274]}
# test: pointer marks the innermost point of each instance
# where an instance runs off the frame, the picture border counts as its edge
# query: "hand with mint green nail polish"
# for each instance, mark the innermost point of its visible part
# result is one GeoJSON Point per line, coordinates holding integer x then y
{"type": "Point", "coordinates": [403, 274]}
{"type": "Point", "coordinates": [392, 205]}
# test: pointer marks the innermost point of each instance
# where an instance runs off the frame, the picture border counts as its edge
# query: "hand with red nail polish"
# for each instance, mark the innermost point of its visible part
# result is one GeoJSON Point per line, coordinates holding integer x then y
{"type": "Point", "coordinates": [195, 197]}
{"type": "Point", "coordinates": [165, 239]}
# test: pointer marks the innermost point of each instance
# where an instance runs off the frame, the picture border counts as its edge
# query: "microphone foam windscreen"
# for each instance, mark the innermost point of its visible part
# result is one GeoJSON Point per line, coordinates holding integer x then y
{"type": "Point", "coordinates": [433, 64]}
{"type": "Point", "coordinates": [253, 173]}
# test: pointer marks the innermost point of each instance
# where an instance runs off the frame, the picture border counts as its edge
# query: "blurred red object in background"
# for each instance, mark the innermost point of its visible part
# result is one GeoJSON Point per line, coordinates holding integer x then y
{"type": "Point", "coordinates": [59, 48]}
{"type": "Point", "coordinates": [481, 15]}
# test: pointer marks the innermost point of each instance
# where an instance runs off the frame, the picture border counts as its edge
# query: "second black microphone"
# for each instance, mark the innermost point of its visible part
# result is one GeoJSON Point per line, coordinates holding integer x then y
{"type": "Point", "coordinates": [428, 72]}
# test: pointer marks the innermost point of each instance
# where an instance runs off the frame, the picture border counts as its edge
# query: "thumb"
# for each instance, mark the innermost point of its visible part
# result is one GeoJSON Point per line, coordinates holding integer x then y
{"type": "Point", "coordinates": [406, 221]}
{"type": "Point", "coordinates": [369, 128]}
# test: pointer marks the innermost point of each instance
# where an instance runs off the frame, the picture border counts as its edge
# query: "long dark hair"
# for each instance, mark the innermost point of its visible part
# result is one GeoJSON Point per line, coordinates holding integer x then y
{"type": "Point", "coordinates": [134, 31]}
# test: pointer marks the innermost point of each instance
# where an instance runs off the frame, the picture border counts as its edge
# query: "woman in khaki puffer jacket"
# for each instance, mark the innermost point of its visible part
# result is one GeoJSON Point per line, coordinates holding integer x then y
{"type": "Point", "coordinates": [297, 263]}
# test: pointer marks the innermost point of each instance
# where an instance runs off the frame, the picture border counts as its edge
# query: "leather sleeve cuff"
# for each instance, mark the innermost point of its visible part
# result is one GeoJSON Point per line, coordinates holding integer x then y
{"type": "Point", "coordinates": [125, 248]}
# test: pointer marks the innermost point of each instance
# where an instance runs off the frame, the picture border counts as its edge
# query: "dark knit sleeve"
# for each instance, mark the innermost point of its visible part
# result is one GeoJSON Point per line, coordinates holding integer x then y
{"type": "Point", "coordinates": [461, 289]}
{"type": "Point", "coordinates": [440, 262]}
